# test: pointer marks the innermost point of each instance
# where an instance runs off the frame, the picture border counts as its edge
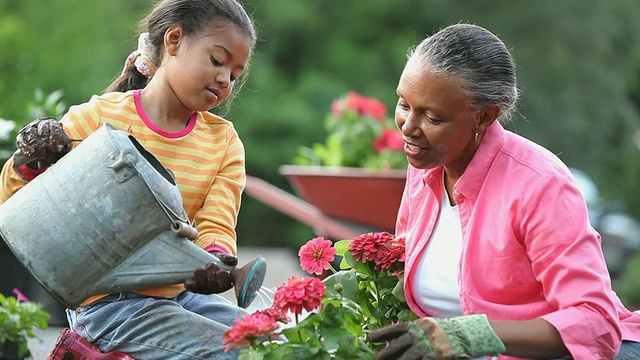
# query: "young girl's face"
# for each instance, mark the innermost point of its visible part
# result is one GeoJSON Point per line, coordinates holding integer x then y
{"type": "Point", "coordinates": [202, 69]}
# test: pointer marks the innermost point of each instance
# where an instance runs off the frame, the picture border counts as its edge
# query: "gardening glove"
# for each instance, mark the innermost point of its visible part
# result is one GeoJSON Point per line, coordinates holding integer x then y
{"type": "Point", "coordinates": [463, 337]}
{"type": "Point", "coordinates": [212, 279]}
{"type": "Point", "coordinates": [41, 143]}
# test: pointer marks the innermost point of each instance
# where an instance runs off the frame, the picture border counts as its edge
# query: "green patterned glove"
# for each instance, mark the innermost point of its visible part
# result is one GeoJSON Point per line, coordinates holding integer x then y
{"type": "Point", "coordinates": [463, 337]}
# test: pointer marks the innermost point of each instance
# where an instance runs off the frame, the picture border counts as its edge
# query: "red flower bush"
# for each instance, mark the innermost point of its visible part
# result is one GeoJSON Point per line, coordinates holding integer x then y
{"type": "Point", "coordinates": [359, 134]}
{"type": "Point", "coordinates": [389, 139]}
{"type": "Point", "coordinates": [363, 105]}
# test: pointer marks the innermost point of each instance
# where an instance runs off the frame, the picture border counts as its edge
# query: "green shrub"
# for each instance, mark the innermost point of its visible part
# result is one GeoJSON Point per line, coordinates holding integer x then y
{"type": "Point", "coordinates": [628, 284]}
{"type": "Point", "coordinates": [18, 319]}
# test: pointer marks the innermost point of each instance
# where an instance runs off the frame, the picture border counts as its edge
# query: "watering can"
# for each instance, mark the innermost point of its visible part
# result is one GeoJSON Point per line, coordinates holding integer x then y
{"type": "Point", "coordinates": [108, 217]}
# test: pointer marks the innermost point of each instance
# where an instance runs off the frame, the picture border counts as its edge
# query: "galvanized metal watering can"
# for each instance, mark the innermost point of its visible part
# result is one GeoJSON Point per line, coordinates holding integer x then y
{"type": "Point", "coordinates": [108, 217]}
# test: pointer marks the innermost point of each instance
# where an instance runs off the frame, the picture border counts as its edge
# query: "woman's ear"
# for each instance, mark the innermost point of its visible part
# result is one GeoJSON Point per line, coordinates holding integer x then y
{"type": "Point", "coordinates": [487, 116]}
{"type": "Point", "coordinates": [172, 38]}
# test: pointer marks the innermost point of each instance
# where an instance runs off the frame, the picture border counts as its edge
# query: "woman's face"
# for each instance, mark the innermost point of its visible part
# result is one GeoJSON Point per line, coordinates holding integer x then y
{"type": "Point", "coordinates": [436, 119]}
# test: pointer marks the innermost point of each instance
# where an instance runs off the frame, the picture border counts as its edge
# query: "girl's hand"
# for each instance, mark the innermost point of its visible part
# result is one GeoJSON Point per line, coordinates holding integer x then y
{"type": "Point", "coordinates": [41, 143]}
{"type": "Point", "coordinates": [212, 279]}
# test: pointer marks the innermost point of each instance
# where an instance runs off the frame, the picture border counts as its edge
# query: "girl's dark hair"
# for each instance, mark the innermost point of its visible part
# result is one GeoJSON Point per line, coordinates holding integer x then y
{"type": "Point", "coordinates": [478, 60]}
{"type": "Point", "coordinates": [192, 16]}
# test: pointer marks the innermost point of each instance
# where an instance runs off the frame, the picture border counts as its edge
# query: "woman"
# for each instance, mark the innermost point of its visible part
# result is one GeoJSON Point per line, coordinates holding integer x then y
{"type": "Point", "coordinates": [501, 259]}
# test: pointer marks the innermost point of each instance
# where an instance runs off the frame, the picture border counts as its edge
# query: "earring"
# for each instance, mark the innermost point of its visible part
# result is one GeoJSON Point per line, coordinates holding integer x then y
{"type": "Point", "coordinates": [476, 136]}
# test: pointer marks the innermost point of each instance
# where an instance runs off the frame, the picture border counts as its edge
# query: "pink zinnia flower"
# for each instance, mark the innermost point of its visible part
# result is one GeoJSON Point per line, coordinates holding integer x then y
{"type": "Point", "coordinates": [370, 247]}
{"type": "Point", "coordinates": [299, 293]}
{"type": "Point", "coordinates": [247, 328]}
{"type": "Point", "coordinates": [316, 255]}
{"type": "Point", "coordinates": [20, 296]}
{"type": "Point", "coordinates": [389, 139]}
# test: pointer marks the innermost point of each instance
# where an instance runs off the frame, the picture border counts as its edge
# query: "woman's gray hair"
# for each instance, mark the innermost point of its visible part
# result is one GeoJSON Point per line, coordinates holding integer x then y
{"type": "Point", "coordinates": [478, 60]}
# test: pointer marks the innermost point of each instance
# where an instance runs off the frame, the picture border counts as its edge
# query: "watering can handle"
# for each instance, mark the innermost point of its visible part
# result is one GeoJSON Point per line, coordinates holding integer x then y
{"type": "Point", "coordinates": [179, 224]}
{"type": "Point", "coordinates": [185, 230]}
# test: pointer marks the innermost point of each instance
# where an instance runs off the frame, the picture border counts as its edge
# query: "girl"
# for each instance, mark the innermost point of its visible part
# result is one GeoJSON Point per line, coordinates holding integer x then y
{"type": "Point", "coordinates": [190, 57]}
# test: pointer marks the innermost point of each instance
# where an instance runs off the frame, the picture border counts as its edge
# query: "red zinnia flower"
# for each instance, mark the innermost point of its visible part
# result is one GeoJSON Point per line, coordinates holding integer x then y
{"type": "Point", "coordinates": [248, 327]}
{"type": "Point", "coordinates": [316, 255]}
{"type": "Point", "coordinates": [370, 246]}
{"type": "Point", "coordinates": [389, 139]}
{"type": "Point", "coordinates": [393, 253]}
{"type": "Point", "coordinates": [275, 314]}
{"type": "Point", "coordinates": [299, 293]}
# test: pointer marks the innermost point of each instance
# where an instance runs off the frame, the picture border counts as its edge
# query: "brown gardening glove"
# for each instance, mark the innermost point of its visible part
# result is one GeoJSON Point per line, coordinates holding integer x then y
{"type": "Point", "coordinates": [463, 337]}
{"type": "Point", "coordinates": [212, 279]}
{"type": "Point", "coordinates": [41, 143]}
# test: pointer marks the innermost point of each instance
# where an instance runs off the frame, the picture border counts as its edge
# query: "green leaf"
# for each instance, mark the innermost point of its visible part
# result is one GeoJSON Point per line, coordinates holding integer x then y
{"type": "Point", "coordinates": [398, 290]}
{"type": "Point", "coordinates": [341, 248]}
{"type": "Point", "coordinates": [251, 354]}
{"type": "Point", "coordinates": [343, 283]}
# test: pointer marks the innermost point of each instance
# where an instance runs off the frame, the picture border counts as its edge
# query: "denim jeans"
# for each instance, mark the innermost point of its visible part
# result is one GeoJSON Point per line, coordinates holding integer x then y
{"type": "Point", "coordinates": [189, 326]}
{"type": "Point", "coordinates": [629, 350]}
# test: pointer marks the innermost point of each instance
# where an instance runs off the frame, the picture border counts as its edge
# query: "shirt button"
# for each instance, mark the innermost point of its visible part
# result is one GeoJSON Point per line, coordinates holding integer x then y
{"type": "Point", "coordinates": [456, 191]}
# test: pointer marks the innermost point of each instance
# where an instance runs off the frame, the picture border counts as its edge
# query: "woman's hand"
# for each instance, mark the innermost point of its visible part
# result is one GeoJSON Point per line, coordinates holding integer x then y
{"type": "Point", "coordinates": [442, 339]}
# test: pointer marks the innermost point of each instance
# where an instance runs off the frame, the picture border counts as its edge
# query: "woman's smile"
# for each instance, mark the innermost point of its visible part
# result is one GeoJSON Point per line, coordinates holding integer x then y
{"type": "Point", "coordinates": [413, 151]}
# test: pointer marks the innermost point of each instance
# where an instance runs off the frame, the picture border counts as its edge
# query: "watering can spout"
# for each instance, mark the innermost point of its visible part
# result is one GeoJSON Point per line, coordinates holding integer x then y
{"type": "Point", "coordinates": [170, 259]}
{"type": "Point", "coordinates": [109, 218]}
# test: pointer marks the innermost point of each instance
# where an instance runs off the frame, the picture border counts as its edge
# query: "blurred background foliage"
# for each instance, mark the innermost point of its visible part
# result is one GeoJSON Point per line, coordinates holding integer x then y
{"type": "Point", "coordinates": [578, 67]}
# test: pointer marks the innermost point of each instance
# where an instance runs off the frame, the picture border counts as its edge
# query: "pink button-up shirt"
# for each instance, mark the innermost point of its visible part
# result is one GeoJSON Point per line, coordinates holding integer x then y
{"type": "Point", "coordinates": [528, 248]}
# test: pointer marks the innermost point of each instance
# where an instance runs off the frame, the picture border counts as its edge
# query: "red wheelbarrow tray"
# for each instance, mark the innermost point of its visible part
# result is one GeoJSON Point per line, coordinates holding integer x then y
{"type": "Point", "coordinates": [335, 197]}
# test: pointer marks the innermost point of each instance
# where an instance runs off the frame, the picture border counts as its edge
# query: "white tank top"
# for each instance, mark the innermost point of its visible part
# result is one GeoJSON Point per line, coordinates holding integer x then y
{"type": "Point", "coordinates": [436, 286]}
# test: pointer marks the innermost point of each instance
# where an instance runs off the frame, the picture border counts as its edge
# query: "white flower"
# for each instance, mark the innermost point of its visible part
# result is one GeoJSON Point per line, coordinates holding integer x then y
{"type": "Point", "coordinates": [6, 127]}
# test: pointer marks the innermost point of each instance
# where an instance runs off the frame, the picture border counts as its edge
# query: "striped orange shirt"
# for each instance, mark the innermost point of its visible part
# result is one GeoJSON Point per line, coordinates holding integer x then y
{"type": "Point", "coordinates": [207, 159]}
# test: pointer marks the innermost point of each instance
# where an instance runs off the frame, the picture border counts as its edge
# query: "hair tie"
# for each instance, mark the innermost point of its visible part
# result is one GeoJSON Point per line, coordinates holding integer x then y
{"type": "Point", "coordinates": [142, 57]}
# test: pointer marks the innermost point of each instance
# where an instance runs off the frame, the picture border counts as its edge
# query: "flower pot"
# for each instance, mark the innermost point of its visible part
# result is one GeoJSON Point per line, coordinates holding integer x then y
{"type": "Point", "coordinates": [366, 197]}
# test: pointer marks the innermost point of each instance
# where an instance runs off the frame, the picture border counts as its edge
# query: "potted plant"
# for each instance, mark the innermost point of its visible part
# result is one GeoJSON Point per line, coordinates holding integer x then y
{"type": "Point", "coordinates": [365, 295]}
{"type": "Point", "coordinates": [358, 173]}
{"type": "Point", "coordinates": [18, 319]}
